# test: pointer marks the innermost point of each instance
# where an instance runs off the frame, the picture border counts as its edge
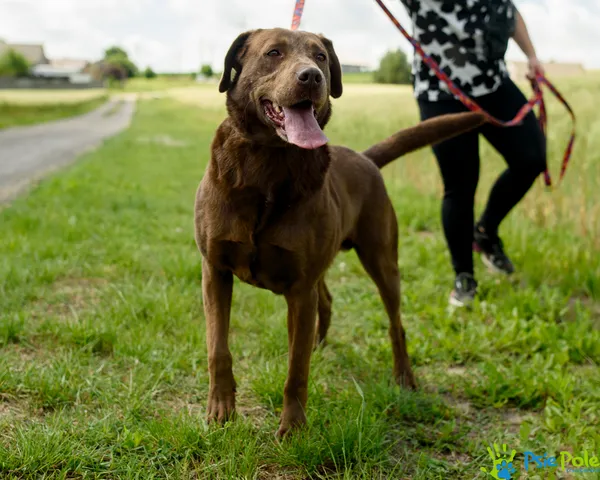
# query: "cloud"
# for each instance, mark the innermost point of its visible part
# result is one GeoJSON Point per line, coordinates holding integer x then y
{"type": "Point", "coordinates": [179, 35]}
{"type": "Point", "coordinates": [563, 31]}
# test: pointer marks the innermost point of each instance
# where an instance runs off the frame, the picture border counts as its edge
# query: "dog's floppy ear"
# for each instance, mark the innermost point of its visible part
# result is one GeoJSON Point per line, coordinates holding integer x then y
{"type": "Point", "coordinates": [334, 68]}
{"type": "Point", "coordinates": [232, 61]}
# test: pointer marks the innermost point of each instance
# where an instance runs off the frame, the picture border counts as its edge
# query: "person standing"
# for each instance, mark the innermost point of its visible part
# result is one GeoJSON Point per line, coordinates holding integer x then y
{"type": "Point", "coordinates": [468, 40]}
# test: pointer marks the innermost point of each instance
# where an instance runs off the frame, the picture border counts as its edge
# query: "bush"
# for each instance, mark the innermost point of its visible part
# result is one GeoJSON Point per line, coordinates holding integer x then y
{"type": "Point", "coordinates": [111, 73]}
{"type": "Point", "coordinates": [149, 73]}
{"type": "Point", "coordinates": [13, 64]}
{"type": "Point", "coordinates": [393, 68]}
{"type": "Point", "coordinates": [119, 57]}
{"type": "Point", "coordinates": [207, 71]}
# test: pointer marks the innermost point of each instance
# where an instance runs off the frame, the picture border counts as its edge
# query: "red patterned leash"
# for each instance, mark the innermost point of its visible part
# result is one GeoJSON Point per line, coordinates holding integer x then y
{"type": "Point", "coordinates": [537, 99]}
{"type": "Point", "coordinates": [543, 119]}
{"type": "Point", "coordinates": [298, 9]}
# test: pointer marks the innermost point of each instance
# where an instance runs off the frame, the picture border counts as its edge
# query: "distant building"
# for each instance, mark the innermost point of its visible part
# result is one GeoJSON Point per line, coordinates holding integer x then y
{"type": "Point", "coordinates": [54, 72]}
{"type": "Point", "coordinates": [73, 70]}
{"type": "Point", "coordinates": [73, 64]}
{"type": "Point", "coordinates": [518, 70]}
{"type": "Point", "coordinates": [34, 53]}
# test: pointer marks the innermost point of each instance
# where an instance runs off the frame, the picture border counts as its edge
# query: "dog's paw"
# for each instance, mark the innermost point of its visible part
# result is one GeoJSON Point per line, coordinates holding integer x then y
{"type": "Point", "coordinates": [406, 379]}
{"type": "Point", "coordinates": [291, 419]}
{"type": "Point", "coordinates": [221, 406]}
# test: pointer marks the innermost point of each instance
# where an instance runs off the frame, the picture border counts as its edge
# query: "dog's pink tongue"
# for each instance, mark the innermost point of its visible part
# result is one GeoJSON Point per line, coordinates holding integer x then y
{"type": "Point", "coordinates": [302, 128]}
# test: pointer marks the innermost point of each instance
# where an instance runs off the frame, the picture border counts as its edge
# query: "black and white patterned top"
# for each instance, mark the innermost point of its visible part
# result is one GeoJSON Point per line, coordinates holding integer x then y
{"type": "Point", "coordinates": [452, 32]}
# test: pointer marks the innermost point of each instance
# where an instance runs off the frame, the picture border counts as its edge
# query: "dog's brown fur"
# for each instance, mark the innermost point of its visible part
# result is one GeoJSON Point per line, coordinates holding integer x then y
{"type": "Point", "coordinates": [275, 215]}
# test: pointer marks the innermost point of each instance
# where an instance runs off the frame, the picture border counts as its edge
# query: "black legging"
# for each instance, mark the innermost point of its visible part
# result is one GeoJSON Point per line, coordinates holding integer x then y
{"type": "Point", "coordinates": [521, 146]}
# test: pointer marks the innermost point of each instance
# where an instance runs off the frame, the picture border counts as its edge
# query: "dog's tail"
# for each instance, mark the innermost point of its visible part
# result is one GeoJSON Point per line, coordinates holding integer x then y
{"type": "Point", "coordinates": [428, 132]}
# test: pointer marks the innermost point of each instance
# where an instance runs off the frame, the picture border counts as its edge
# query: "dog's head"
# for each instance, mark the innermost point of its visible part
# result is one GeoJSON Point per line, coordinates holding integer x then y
{"type": "Point", "coordinates": [278, 84]}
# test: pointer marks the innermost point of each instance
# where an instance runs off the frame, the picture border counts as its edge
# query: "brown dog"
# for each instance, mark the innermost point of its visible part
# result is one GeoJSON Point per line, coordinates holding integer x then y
{"type": "Point", "coordinates": [277, 203]}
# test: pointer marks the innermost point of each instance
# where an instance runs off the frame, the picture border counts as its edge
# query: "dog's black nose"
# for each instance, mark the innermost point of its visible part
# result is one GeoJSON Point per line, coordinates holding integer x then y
{"type": "Point", "coordinates": [310, 77]}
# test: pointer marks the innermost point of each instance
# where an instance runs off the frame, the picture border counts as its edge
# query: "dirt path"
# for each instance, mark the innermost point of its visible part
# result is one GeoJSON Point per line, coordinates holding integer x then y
{"type": "Point", "coordinates": [29, 153]}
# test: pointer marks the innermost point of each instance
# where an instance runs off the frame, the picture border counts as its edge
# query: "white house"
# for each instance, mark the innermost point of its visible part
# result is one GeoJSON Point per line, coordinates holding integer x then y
{"type": "Point", "coordinates": [76, 71]}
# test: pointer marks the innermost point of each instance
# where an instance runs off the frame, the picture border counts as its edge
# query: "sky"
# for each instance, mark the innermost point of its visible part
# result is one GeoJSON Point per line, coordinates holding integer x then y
{"type": "Point", "coordinates": [180, 35]}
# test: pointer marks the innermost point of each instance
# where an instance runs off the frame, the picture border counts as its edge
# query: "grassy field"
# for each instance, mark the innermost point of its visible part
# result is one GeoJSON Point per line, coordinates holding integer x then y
{"type": "Point", "coordinates": [359, 77]}
{"type": "Point", "coordinates": [27, 108]}
{"type": "Point", "coordinates": [158, 83]}
{"type": "Point", "coordinates": [49, 97]}
{"type": "Point", "coordinates": [162, 83]}
{"type": "Point", "coordinates": [102, 350]}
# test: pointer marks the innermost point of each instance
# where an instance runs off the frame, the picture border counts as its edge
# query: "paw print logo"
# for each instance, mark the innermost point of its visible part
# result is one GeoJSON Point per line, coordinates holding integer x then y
{"type": "Point", "coordinates": [502, 463]}
{"type": "Point", "coordinates": [505, 470]}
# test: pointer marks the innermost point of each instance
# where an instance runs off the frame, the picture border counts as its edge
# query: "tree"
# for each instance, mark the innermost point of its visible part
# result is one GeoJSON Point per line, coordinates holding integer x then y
{"type": "Point", "coordinates": [393, 68]}
{"type": "Point", "coordinates": [110, 72]}
{"type": "Point", "coordinates": [207, 71]}
{"type": "Point", "coordinates": [13, 64]}
{"type": "Point", "coordinates": [117, 56]}
{"type": "Point", "coordinates": [149, 73]}
{"type": "Point", "coordinates": [114, 50]}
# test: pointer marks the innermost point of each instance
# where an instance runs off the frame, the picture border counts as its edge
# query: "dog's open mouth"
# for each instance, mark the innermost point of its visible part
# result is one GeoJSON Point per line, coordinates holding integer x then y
{"type": "Point", "coordinates": [296, 124]}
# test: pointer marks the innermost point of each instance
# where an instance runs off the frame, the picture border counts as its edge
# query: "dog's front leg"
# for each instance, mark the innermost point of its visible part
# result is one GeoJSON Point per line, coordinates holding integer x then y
{"type": "Point", "coordinates": [302, 314]}
{"type": "Point", "coordinates": [217, 288]}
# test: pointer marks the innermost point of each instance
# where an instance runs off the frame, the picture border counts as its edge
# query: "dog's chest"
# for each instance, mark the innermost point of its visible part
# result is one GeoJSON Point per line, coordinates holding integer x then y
{"type": "Point", "coordinates": [262, 264]}
{"type": "Point", "coordinates": [265, 242]}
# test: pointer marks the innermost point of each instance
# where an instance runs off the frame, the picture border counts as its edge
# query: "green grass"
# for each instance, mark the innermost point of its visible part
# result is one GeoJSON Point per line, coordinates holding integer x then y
{"type": "Point", "coordinates": [14, 114]}
{"type": "Point", "coordinates": [36, 96]}
{"type": "Point", "coordinates": [359, 77]}
{"type": "Point", "coordinates": [157, 84]}
{"type": "Point", "coordinates": [102, 349]}
{"type": "Point", "coordinates": [162, 82]}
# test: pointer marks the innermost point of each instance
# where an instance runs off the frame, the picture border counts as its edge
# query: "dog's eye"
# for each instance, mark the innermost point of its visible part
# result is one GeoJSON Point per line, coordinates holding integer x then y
{"type": "Point", "coordinates": [321, 57]}
{"type": "Point", "coordinates": [274, 53]}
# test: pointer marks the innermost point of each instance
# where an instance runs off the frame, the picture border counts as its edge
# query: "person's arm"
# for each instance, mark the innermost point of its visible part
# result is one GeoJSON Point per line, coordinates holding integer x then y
{"type": "Point", "coordinates": [521, 37]}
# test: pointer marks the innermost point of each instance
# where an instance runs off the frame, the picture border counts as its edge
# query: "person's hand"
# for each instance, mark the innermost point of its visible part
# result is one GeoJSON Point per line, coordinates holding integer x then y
{"type": "Point", "coordinates": [535, 67]}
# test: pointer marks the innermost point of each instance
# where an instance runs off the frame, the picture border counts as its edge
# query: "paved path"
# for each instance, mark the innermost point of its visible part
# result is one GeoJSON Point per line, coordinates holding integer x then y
{"type": "Point", "coordinates": [28, 153]}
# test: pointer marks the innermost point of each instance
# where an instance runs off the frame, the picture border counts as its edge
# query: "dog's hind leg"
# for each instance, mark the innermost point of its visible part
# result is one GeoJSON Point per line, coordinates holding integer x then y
{"type": "Point", "coordinates": [324, 313]}
{"type": "Point", "coordinates": [383, 269]}
{"type": "Point", "coordinates": [378, 252]}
